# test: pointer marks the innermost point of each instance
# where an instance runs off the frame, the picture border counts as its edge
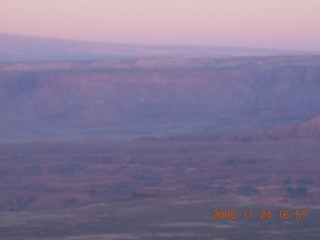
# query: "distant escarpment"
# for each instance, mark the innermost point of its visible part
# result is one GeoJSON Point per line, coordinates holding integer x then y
{"type": "Point", "coordinates": [30, 48]}
{"type": "Point", "coordinates": [137, 97]}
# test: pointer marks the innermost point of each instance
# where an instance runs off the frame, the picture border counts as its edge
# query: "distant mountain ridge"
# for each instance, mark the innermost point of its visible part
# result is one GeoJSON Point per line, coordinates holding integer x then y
{"type": "Point", "coordinates": [27, 48]}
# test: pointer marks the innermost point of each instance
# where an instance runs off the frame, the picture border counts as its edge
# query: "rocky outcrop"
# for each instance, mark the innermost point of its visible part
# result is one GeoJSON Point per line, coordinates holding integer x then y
{"type": "Point", "coordinates": [308, 128]}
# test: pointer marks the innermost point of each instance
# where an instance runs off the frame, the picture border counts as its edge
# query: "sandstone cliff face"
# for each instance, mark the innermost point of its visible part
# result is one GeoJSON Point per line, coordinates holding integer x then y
{"type": "Point", "coordinates": [241, 93]}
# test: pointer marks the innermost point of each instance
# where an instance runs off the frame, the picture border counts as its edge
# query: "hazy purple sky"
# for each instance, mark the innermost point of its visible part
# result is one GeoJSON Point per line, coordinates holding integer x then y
{"type": "Point", "coordinates": [291, 24]}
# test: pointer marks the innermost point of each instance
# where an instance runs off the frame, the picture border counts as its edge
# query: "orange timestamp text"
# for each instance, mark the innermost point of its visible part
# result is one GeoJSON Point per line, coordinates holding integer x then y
{"type": "Point", "coordinates": [263, 214]}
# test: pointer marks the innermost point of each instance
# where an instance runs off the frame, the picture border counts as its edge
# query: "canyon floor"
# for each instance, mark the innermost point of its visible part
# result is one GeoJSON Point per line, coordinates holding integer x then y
{"type": "Point", "coordinates": [159, 188]}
